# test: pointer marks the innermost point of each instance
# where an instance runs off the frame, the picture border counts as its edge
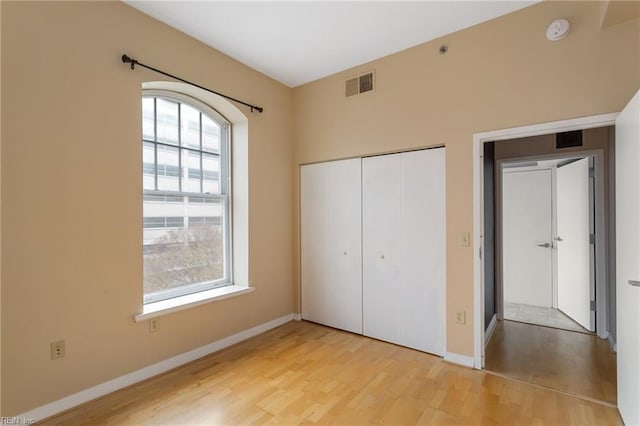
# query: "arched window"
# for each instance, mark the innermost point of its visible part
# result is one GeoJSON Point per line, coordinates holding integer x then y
{"type": "Point", "coordinates": [187, 196]}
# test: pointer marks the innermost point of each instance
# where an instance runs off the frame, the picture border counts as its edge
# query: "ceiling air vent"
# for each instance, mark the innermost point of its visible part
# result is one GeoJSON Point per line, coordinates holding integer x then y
{"type": "Point", "coordinates": [360, 84]}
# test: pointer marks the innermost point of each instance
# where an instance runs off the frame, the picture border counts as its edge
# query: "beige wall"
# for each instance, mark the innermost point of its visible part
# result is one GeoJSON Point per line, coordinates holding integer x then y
{"type": "Point", "coordinates": [496, 75]}
{"type": "Point", "coordinates": [592, 139]}
{"type": "Point", "coordinates": [72, 205]}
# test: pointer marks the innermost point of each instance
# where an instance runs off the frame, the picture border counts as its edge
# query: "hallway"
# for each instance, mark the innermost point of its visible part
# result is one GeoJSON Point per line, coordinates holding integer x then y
{"type": "Point", "coordinates": [576, 363]}
{"type": "Point", "coordinates": [548, 317]}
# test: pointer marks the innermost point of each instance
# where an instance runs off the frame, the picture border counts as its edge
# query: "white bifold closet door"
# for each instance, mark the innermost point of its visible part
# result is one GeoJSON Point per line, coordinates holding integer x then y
{"type": "Point", "coordinates": [403, 230]}
{"type": "Point", "coordinates": [331, 244]}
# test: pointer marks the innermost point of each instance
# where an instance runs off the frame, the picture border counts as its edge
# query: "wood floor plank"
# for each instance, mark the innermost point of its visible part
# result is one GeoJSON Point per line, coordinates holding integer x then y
{"type": "Point", "coordinates": [577, 363]}
{"type": "Point", "coordinates": [307, 374]}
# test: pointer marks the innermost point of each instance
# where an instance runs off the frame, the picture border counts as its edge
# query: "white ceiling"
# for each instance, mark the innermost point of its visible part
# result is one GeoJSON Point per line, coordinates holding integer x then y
{"type": "Point", "coordinates": [296, 42]}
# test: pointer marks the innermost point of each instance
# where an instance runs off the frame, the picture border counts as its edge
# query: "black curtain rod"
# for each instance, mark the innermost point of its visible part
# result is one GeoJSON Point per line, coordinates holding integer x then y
{"type": "Point", "coordinates": [128, 60]}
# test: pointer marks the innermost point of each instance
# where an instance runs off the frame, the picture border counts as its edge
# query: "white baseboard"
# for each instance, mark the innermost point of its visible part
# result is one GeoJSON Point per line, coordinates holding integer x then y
{"type": "Point", "coordinates": [102, 389]}
{"type": "Point", "coordinates": [454, 358]}
{"type": "Point", "coordinates": [492, 326]}
{"type": "Point", "coordinates": [612, 343]}
{"type": "Point", "coordinates": [297, 317]}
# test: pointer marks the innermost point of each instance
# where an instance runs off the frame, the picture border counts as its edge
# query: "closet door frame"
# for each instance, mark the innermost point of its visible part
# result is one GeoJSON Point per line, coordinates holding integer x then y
{"type": "Point", "coordinates": [320, 250]}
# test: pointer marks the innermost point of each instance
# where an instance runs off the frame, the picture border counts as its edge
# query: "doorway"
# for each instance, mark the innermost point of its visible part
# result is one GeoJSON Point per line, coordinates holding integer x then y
{"type": "Point", "coordinates": [548, 236]}
{"type": "Point", "coordinates": [485, 312]}
{"type": "Point", "coordinates": [526, 165]}
{"type": "Point", "coordinates": [532, 154]}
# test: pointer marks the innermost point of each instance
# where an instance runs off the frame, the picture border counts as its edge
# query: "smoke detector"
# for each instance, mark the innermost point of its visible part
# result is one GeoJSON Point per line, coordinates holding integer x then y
{"type": "Point", "coordinates": [558, 29]}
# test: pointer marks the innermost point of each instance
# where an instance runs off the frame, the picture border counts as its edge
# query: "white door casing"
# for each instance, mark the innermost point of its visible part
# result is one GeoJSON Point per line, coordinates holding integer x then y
{"type": "Point", "coordinates": [527, 225]}
{"type": "Point", "coordinates": [574, 277]}
{"type": "Point", "coordinates": [330, 221]}
{"type": "Point", "coordinates": [628, 260]}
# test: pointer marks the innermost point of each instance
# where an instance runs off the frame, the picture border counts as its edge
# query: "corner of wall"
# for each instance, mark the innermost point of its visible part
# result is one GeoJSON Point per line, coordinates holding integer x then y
{"type": "Point", "coordinates": [617, 12]}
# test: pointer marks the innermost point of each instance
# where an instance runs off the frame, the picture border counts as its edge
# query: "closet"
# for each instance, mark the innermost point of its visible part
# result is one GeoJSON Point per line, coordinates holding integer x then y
{"type": "Point", "coordinates": [373, 247]}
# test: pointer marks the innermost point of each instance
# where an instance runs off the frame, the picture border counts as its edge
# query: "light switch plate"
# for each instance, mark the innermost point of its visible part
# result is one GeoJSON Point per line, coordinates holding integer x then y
{"type": "Point", "coordinates": [465, 239]}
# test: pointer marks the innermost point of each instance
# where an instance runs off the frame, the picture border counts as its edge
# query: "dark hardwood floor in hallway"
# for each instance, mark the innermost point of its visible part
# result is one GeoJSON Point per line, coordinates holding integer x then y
{"type": "Point", "coordinates": [304, 373]}
{"type": "Point", "coordinates": [572, 362]}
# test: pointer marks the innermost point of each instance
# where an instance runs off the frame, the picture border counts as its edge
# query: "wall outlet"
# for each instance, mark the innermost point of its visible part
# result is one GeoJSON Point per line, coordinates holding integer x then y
{"type": "Point", "coordinates": [154, 325]}
{"type": "Point", "coordinates": [57, 349]}
{"type": "Point", "coordinates": [461, 317]}
{"type": "Point", "coordinates": [465, 239]}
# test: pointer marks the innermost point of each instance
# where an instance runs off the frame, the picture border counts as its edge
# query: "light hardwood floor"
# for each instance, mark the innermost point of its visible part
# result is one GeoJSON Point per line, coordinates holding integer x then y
{"type": "Point", "coordinates": [303, 373]}
{"type": "Point", "coordinates": [572, 362]}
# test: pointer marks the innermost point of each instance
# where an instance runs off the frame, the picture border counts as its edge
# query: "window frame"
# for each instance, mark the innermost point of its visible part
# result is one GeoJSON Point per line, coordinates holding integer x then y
{"type": "Point", "coordinates": [224, 196]}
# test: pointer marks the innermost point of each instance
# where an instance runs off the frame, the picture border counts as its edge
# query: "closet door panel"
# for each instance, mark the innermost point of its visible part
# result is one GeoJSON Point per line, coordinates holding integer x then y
{"type": "Point", "coordinates": [423, 250]}
{"type": "Point", "coordinates": [381, 217]}
{"type": "Point", "coordinates": [314, 231]}
{"type": "Point", "coordinates": [331, 244]}
{"type": "Point", "coordinates": [404, 249]}
{"type": "Point", "coordinates": [345, 244]}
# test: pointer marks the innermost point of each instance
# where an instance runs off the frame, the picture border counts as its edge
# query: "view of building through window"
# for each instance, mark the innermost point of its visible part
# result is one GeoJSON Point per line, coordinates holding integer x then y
{"type": "Point", "coordinates": [186, 197]}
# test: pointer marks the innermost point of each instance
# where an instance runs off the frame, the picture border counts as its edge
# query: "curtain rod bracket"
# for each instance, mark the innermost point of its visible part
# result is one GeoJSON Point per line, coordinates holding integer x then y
{"type": "Point", "coordinates": [129, 60]}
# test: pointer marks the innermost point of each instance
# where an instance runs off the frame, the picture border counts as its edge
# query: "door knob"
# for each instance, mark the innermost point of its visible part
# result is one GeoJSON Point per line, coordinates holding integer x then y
{"type": "Point", "coordinates": [634, 283]}
{"type": "Point", "coordinates": [545, 245]}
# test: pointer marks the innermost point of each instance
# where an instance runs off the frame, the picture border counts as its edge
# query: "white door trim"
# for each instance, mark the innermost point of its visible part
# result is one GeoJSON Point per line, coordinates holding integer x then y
{"type": "Point", "coordinates": [479, 139]}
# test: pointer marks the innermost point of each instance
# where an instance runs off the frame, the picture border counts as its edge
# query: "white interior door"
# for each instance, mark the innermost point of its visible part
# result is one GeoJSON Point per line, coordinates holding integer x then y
{"type": "Point", "coordinates": [526, 237]}
{"type": "Point", "coordinates": [404, 249]}
{"type": "Point", "coordinates": [331, 256]}
{"type": "Point", "coordinates": [575, 280]}
{"type": "Point", "coordinates": [628, 260]}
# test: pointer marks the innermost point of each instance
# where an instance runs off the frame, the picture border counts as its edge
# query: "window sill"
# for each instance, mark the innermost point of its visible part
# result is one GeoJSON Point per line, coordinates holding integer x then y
{"type": "Point", "coordinates": [164, 307]}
